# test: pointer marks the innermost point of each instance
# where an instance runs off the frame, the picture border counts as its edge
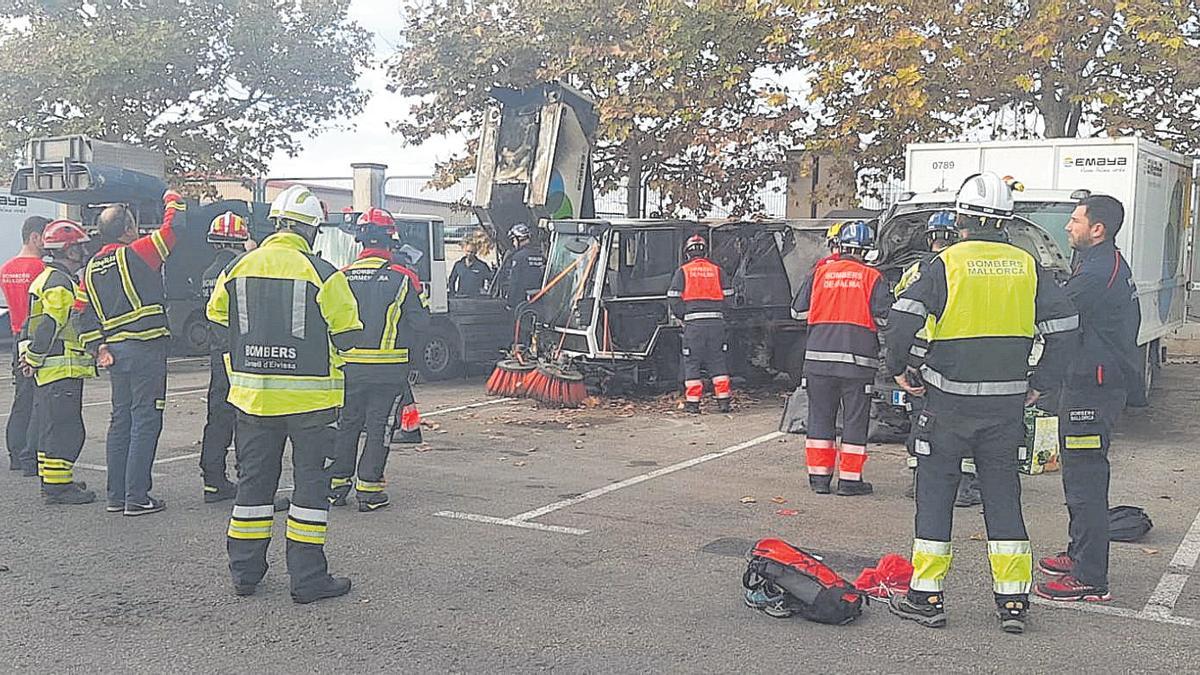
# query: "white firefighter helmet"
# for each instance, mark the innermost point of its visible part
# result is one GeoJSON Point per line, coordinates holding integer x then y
{"type": "Point", "coordinates": [987, 197]}
{"type": "Point", "coordinates": [297, 204]}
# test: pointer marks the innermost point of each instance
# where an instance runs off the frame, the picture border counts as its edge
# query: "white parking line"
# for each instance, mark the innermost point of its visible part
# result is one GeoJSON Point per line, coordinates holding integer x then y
{"type": "Point", "coordinates": [195, 455]}
{"type": "Point", "coordinates": [523, 519]}
{"type": "Point", "coordinates": [1189, 550]}
{"type": "Point", "coordinates": [92, 404]}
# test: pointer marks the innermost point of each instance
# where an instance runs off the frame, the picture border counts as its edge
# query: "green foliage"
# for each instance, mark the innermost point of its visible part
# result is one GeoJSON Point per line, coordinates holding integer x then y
{"type": "Point", "coordinates": [219, 85]}
{"type": "Point", "coordinates": [687, 90]}
{"type": "Point", "coordinates": [892, 72]}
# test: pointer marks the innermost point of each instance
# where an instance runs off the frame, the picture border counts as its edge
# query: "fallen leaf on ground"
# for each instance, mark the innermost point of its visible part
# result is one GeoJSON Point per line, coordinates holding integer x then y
{"type": "Point", "coordinates": [787, 512]}
{"type": "Point", "coordinates": [518, 463]}
{"type": "Point", "coordinates": [1150, 551]}
{"type": "Point", "coordinates": [748, 500]}
{"type": "Point", "coordinates": [977, 537]}
{"type": "Point", "coordinates": [778, 500]}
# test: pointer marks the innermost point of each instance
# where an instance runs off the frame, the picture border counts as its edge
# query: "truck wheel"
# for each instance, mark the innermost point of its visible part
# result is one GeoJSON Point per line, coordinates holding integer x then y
{"type": "Point", "coordinates": [437, 357]}
{"type": "Point", "coordinates": [193, 339]}
{"type": "Point", "coordinates": [1150, 365]}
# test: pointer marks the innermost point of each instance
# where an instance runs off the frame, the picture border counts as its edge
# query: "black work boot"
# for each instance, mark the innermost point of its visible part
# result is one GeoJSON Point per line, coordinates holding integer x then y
{"type": "Point", "coordinates": [724, 405]}
{"type": "Point", "coordinates": [968, 491]}
{"type": "Point", "coordinates": [372, 501]}
{"type": "Point", "coordinates": [14, 464]}
{"type": "Point", "coordinates": [244, 590]}
{"type": "Point", "coordinates": [340, 494]}
{"type": "Point", "coordinates": [331, 587]}
{"type": "Point", "coordinates": [820, 484]}
{"type": "Point", "coordinates": [691, 407]}
{"type": "Point", "coordinates": [1013, 612]}
{"type": "Point", "coordinates": [70, 493]}
{"type": "Point", "coordinates": [219, 490]}
{"type": "Point", "coordinates": [854, 488]}
{"type": "Point", "coordinates": [924, 608]}
{"type": "Point", "coordinates": [411, 437]}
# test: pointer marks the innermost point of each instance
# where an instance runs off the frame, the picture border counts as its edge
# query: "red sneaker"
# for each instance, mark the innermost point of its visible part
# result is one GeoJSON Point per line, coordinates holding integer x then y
{"type": "Point", "coordinates": [1057, 565]}
{"type": "Point", "coordinates": [1070, 589]}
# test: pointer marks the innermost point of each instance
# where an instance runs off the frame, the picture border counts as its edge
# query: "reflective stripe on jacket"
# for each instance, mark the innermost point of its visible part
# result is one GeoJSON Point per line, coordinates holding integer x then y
{"type": "Point", "coordinates": [982, 301]}
{"type": "Point", "coordinates": [55, 348]}
{"type": "Point", "coordinates": [699, 290]}
{"type": "Point", "coordinates": [841, 300]}
{"type": "Point", "coordinates": [390, 306]}
{"type": "Point", "coordinates": [285, 309]}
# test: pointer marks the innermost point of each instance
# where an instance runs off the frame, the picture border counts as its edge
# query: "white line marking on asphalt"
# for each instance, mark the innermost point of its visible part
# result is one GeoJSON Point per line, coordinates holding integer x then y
{"type": "Point", "coordinates": [1096, 608]}
{"type": "Point", "coordinates": [492, 520]}
{"type": "Point", "coordinates": [194, 455]}
{"type": "Point", "coordinates": [1189, 549]}
{"type": "Point", "coordinates": [1166, 594]}
{"type": "Point", "coordinates": [613, 487]}
{"type": "Point", "coordinates": [92, 404]}
{"type": "Point", "coordinates": [469, 406]}
{"type": "Point", "coordinates": [523, 519]}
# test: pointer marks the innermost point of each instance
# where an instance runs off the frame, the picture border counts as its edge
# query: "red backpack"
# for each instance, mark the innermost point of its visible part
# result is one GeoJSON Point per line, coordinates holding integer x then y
{"type": "Point", "coordinates": [782, 580]}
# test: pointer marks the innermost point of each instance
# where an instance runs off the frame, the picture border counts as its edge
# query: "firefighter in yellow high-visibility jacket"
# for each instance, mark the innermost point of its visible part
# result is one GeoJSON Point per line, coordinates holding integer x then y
{"type": "Point", "coordinates": [287, 312]}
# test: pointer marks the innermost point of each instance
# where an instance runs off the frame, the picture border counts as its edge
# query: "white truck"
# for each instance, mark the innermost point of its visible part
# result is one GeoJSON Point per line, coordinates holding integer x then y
{"type": "Point", "coordinates": [1154, 185]}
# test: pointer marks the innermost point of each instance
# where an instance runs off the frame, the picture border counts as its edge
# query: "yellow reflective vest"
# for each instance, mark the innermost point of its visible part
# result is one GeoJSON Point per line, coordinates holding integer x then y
{"type": "Point", "coordinates": [981, 302]}
{"type": "Point", "coordinates": [287, 312]}
{"type": "Point", "coordinates": [55, 347]}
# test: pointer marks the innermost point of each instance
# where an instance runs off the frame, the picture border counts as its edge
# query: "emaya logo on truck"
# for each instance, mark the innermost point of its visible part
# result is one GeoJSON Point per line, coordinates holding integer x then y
{"type": "Point", "coordinates": [1089, 162]}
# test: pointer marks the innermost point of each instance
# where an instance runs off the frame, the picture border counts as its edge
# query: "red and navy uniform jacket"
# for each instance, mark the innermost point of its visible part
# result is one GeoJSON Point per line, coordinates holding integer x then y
{"type": "Point", "coordinates": [699, 291]}
{"type": "Point", "coordinates": [1101, 288]}
{"type": "Point", "coordinates": [124, 286]}
{"type": "Point", "coordinates": [843, 301]}
{"type": "Point", "coordinates": [393, 309]}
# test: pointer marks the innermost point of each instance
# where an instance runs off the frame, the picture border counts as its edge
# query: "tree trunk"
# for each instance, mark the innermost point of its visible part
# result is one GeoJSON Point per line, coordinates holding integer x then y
{"type": "Point", "coordinates": [633, 191]}
{"type": "Point", "coordinates": [1056, 115]}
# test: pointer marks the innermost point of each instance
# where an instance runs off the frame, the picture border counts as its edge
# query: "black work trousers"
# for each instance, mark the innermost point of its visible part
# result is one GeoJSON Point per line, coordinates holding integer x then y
{"type": "Point", "coordinates": [62, 433]}
{"type": "Point", "coordinates": [259, 445]}
{"type": "Point", "coordinates": [991, 430]}
{"type": "Point", "coordinates": [218, 427]}
{"type": "Point", "coordinates": [1087, 415]}
{"type": "Point", "coordinates": [826, 396]}
{"type": "Point", "coordinates": [704, 349]}
{"type": "Point", "coordinates": [20, 434]}
{"type": "Point", "coordinates": [369, 406]}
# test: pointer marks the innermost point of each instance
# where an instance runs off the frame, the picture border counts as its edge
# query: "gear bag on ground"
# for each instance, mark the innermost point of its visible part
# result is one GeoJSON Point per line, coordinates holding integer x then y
{"type": "Point", "coordinates": [782, 580]}
{"type": "Point", "coordinates": [1128, 523]}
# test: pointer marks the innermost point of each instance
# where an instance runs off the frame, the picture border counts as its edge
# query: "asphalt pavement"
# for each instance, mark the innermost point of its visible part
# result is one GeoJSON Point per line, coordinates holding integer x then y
{"type": "Point", "coordinates": [608, 539]}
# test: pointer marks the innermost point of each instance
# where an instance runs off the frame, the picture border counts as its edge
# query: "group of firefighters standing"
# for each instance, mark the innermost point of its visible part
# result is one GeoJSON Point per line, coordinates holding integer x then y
{"type": "Point", "coordinates": [301, 352]}
{"type": "Point", "coordinates": [957, 332]}
{"type": "Point", "coordinates": [307, 353]}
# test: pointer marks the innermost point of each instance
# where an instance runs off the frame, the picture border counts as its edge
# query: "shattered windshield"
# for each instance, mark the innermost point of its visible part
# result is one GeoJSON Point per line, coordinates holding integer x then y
{"type": "Point", "coordinates": [569, 265]}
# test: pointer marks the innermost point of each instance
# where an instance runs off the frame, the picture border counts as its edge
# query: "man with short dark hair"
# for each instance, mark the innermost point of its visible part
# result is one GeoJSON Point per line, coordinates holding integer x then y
{"type": "Point", "coordinates": [126, 299]}
{"type": "Point", "coordinates": [16, 276]}
{"type": "Point", "coordinates": [1104, 374]}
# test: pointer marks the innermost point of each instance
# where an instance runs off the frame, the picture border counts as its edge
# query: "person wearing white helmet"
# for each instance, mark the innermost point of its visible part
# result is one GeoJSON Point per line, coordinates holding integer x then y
{"type": "Point", "coordinates": [981, 302]}
{"type": "Point", "coordinates": [286, 313]}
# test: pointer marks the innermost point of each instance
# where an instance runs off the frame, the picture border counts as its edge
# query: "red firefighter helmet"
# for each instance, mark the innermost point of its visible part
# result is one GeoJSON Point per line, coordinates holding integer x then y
{"type": "Point", "coordinates": [62, 233]}
{"type": "Point", "coordinates": [228, 228]}
{"type": "Point", "coordinates": [376, 225]}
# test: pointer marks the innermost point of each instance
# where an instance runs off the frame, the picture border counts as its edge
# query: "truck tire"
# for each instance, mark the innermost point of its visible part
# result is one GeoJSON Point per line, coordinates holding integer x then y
{"type": "Point", "coordinates": [438, 356]}
{"type": "Point", "coordinates": [193, 338]}
{"type": "Point", "coordinates": [1150, 365]}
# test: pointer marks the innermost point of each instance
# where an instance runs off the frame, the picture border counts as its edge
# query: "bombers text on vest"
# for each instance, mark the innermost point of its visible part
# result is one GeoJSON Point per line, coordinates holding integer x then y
{"type": "Point", "coordinates": [282, 304]}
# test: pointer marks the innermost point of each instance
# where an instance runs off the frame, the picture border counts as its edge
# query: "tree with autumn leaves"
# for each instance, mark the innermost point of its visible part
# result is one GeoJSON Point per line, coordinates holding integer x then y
{"type": "Point", "coordinates": [701, 99]}
{"type": "Point", "coordinates": [888, 73]}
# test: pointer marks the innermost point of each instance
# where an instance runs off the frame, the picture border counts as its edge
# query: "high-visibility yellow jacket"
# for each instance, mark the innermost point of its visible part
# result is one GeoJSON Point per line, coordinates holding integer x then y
{"type": "Point", "coordinates": [55, 347]}
{"type": "Point", "coordinates": [287, 312]}
{"type": "Point", "coordinates": [981, 302]}
{"type": "Point", "coordinates": [392, 306]}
